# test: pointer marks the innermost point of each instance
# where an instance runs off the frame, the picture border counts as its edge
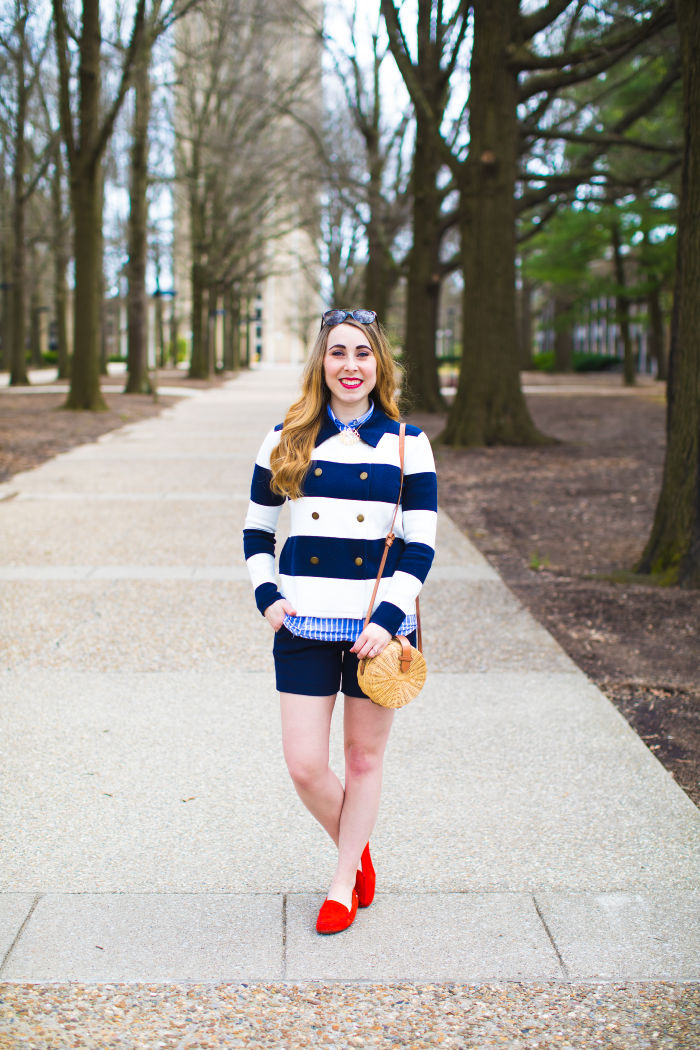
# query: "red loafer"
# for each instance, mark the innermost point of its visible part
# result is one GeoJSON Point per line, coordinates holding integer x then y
{"type": "Point", "coordinates": [365, 880]}
{"type": "Point", "coordinates": [334, 916]}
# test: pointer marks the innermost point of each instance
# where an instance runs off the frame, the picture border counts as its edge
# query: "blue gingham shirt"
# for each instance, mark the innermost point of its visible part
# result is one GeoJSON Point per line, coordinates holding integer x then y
{"type": "Point", "coordinates": [338, 629]}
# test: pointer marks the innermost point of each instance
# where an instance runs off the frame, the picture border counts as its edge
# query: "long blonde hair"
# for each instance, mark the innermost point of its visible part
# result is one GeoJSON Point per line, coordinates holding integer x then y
{"type": "Point", "coordinates": [290, 459]}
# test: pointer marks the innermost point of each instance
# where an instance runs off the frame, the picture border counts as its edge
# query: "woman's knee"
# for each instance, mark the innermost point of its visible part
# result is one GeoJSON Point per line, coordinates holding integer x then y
{"type": "Point", "coordinates": [361, 760]}
{"type": "Point", "coordinates": [305, 768]}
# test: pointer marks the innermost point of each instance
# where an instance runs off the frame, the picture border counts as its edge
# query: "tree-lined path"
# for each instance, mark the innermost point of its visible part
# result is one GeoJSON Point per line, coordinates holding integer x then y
{"type": "Point", "coordinates": [150, 831]}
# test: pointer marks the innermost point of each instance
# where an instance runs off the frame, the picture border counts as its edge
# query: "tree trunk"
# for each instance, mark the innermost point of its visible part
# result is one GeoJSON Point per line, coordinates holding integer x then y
{"type": "Point", "coordinates": [60, 302]}
{"type": "Point", "coordinates": [6, 306]}
{"type": "Point", "coordinates": [102, 300]}
{"type": "Point", "coordinates": [138, 381]}
{"type": "Point", "coordinates": [160, 330]}
{"type": "Point", "coordinates": [622, 307]}
{"type": "Point", "coordinates": [246, 352]}
{"type": "Point", "coordinates": [563, 332]}
{"type": "Point", "coordinates": [212, 330]}
{"type": "Point", "coordinates": [34, 316]}
{"type": "Point", "coordinates": [60, 265]}
{"type": "Point", "coordinates": [655, 334]}
{"type": "Point", "coordinates": [199, 362]}
{"type": "Point", "coordinates": [673, 550]}
{"type": "Point", "coordinates": [232, 331]}
{"type": "Point", "coordinates": [85, 393]}
{"type": "Point", "coordinates": [422, 384]}
{"type": "Point", "coordinates": [380, 274]}
{"type": "Point", "coordinates": [524, 317]}
{"type": "Point", "coordinates": [86, 200]}
{"type": "Point", "coordinates": [18, 372]}
{"type": "Point", "coordinates": [174, 332]}
{"type": "Point", "coordinates": [489, 407]}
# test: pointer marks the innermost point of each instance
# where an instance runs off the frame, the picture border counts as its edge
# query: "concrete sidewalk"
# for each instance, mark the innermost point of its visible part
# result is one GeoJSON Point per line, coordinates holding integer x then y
{"type": "Point", "coordinates": [149, 829]}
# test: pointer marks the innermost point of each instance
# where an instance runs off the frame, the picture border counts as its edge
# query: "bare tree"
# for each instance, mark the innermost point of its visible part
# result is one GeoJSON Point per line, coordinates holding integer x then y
{"type": "Point", "coordinates": [160, 16]}
{"type": "Point", "coordinates": [25, 51]}
{"type": "Point", "coordinates": [342, 247]}
{"type": "Point", "coordinates": [87, 127]}
{"type": "Point", "coordinates": [439, 47]}
{"type": "Point", "coordinates": [376, 177]}
{"type": "Point", "coordinates": [137, 230]}
{"type": "Point", "coordinates": [489, 407]}
{"type": "Point", "coordinates": [240, 161]}
{"type": "Point", "coordinates": [59, 248]}
{"type": "Point", "coordinates": [672, 553]}
{"type": "Point", "coordinates": [86, 131]}
{"type": "Point", "coordinates": [364, 146]}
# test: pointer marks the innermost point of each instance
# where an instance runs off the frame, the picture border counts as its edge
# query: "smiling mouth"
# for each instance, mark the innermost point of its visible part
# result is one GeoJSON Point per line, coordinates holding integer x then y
{"type": "Point", "coordinates": [351, 384]}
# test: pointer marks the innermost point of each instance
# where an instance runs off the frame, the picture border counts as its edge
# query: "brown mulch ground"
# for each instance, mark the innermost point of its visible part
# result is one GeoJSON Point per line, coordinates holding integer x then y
{"type": "Point", "coordinates": [34, 427]}
{"type": "Point", "coordinates": [556, 522]}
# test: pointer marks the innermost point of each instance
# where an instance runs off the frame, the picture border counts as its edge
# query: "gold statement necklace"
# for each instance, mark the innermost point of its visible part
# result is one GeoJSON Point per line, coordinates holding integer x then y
{"type": "Point", "coordinates": [348, 435]}
{"type": "Point", "coordinates": [349, 432]}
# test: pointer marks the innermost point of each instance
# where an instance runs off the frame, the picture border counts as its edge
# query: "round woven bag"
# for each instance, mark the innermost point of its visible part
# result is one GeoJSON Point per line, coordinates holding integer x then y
{"type": "Point", "coordinates": [384, 681]}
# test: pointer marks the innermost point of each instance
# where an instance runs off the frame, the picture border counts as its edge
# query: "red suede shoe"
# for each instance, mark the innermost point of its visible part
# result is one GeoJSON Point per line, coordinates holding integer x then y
{"type": "Point", "coordinates": [334, 916]}
{"type": "Point", "coordinates": [366, 880]}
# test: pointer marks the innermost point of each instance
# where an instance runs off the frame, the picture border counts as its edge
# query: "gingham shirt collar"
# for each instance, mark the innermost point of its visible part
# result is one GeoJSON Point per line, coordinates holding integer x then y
{"type": "Point", "coordinates": [371, 431]}
{"type": "Point", "coordinates": [354, 424]}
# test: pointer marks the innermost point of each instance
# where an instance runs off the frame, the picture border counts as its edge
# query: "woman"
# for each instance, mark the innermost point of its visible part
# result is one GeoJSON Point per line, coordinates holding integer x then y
{"type": "Point", "coordinates": [336, 458]}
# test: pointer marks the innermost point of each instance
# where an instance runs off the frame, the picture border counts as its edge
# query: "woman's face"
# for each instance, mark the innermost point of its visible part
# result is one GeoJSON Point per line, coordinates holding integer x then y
{"type": "Point", "coordinates": [350, 371]}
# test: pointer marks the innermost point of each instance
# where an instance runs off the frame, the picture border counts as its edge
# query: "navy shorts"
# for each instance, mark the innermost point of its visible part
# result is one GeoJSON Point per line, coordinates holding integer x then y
{"type": "Point", "coordinates": [313, 668]}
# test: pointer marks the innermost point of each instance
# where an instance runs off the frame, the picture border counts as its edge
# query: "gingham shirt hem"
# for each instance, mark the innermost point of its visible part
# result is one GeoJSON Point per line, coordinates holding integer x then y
{"type": "Point", "coordinates": [332, 629]}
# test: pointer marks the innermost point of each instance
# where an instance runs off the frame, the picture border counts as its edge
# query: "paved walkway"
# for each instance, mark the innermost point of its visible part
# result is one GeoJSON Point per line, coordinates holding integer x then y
{"type": "Point", "coordinates": [150, 832]}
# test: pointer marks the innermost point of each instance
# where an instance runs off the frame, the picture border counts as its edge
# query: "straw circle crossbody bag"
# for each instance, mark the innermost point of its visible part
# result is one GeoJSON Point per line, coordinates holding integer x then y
{"type": "Point", "coordinates": [397, 675]}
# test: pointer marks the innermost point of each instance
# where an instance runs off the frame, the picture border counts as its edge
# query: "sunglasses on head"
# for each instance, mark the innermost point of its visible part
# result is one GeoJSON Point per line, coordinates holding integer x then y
{"type": "Point", "coordinates": [334, 317]}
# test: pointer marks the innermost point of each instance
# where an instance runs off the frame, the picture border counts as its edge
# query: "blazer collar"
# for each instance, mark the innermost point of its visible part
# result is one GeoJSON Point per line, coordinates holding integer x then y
{"type": "Point", "coordinates": [371, 432]}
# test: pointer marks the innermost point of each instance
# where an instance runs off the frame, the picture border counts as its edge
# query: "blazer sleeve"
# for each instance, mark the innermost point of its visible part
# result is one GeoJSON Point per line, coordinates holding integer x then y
{"type": "Point", "coordinates": [260, 527]}
{"type": "Point", "coordinates": [419, 515]}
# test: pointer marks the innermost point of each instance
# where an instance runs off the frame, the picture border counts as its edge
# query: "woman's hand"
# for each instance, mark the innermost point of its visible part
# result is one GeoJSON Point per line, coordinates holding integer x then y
{"type": "Point", "coordinates": [371, 642]}
{"type": "Point", "coordinates": [275, 613]}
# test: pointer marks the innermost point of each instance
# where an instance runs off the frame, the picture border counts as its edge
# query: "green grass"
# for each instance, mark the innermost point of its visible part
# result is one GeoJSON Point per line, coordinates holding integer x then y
{"type": "Point", "coordinates": [538, 561]}
{"type": "Point", "coordinates": [581, 362]}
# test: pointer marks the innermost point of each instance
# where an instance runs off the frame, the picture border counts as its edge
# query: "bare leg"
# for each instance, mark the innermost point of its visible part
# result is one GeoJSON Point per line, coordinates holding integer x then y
{"type": "Point", "coordinates": [367, 729]}
{"type": "Point", "coordinates": [306, 725]}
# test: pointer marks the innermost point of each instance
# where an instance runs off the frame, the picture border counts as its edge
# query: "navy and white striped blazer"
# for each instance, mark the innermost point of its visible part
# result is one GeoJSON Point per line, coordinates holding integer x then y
{"type": "Point", "coordinates": [330, 561]}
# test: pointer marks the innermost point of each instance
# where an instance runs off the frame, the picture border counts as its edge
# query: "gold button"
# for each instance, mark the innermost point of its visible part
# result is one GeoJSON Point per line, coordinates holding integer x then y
{"type": "Point", "coordinates": [315, 515]}
{"type": "Point", "coordinates": [364, 475]}
{"type": "Point", "coordinates": [318, 472]}
{"type": "Point", "coordinates": [360, 517]}
{"type": "Point", "coordinates": [358, 561]}
{"type": "Point", "coordinates": [314, 560]}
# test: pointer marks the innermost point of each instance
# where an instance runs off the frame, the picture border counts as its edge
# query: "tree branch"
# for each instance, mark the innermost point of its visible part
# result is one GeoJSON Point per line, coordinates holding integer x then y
{"type": "Point", "coordinates": [588, 60]}
{"type": "Point", "coordinates": [399, 49]}
{"type": "Point", "coordinates": [46, 159]}
{"type": "Point", "coordinates": [462, 10]}
{"type": "Point", "coordinates": [544, 217]}
{"type": "Point", "coordinates": [605, 140]}
{"type": "Point", "coordinates": [135, 42]}
{"type": "Point", "coordinates": [560, 183]}
{"type": "Point", "coordinates": [534, 23]}
{"type": "Point", "coordinates": [64, 110]}
{"type": "Point", "coordinates": [648, 103]}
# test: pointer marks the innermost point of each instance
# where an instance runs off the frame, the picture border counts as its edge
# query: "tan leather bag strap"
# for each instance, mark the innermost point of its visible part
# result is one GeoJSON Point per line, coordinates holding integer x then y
{"type": "Point", "coordinates": [405, 653]}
